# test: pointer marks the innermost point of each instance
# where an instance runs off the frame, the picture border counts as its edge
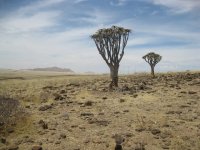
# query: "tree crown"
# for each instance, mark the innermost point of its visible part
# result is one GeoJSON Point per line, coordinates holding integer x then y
{"type": "Point", "coordinates": [106, 32]}
{"type": "Point", "coordinates": [110, 43]}
{"type": "Point", "coordinates": [152, 58]}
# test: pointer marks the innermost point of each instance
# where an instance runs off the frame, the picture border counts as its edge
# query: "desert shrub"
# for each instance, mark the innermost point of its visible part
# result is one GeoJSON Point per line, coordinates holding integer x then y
{"type": "Point", "coordinates": [8, 109]}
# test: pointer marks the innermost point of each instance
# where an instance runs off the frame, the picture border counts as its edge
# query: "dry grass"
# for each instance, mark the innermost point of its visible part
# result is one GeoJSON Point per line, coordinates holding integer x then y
{"type": "Point", "coordinates": [149, 113]}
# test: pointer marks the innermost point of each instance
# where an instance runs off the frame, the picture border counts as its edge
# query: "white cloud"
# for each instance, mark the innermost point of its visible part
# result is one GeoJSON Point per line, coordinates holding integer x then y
{"type": "Point", "coordinates": [95, 17]}
{"type": "Point", "coordinates": [24, 23]}
{"type": "Point", "coordinates": [155, 32]}
{"type": "Point", "coordinates": [79, 1]}
{"type": "Point", "coordinates": [118, 2]}
{"type": "Point", "coordinates": [34, 6]}
{"type": "Point", "coordinates": [179, 6]}
{"type": "Point", "coordinates": [137, 41]}
{"type": "Point", "coordinates": [24, 42]}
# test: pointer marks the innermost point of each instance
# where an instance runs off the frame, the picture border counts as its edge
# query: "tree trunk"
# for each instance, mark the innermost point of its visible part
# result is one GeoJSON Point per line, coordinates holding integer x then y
{"type": "Point", "coordinates": [152, 71]}
{"type": "Point", "coordinates": [114, 76]}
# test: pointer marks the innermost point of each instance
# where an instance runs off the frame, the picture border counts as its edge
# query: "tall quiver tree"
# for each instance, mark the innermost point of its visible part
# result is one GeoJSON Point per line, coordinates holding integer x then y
{"type": "Point", "coordinates": [152, 59]}
{"type": "Point", "coordinates": [111, 43]}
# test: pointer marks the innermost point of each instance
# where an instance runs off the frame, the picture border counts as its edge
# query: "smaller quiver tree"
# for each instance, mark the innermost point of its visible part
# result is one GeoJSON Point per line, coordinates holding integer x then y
{"type": "Point", "coordinates": [152, 59]}
{"type": "Point", "coordinates": [111, 43]}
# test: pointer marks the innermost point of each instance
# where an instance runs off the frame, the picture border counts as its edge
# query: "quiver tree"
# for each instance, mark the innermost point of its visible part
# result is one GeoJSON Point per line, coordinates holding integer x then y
{"type": "Point", "coordinates": [110, 43]}
{"type": "Point", "coordinates": [152, 59]}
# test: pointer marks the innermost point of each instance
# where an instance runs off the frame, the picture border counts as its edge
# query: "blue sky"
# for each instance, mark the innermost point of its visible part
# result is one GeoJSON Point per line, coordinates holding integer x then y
{"type": "Point", "coordinates": [44, 33]}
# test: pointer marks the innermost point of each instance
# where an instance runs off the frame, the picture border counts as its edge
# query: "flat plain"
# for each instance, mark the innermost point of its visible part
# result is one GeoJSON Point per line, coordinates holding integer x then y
{"type": "Point", "coordinates": [79, 112]}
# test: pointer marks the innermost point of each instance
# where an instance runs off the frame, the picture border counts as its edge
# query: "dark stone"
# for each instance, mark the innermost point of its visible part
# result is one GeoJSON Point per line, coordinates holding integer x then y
{"type": "Point", "coordinates": [122, 100]}
{"type": "Point", "coordinates": [37, 148]}
{"type": "Point", "coordinates": [43, 124]}
{"type": "Point", "coordinates": [104, 98]}
{"type": "Point", "coordinates": [140, 129]}
{"type": "Point", "coordinates": [1, 124]}
{"type": "Point", "coordinates": [57, 142]}
{"type": "Point", "coordinates": [58, 97]}
{"type": "Point", "coordinates": [125, 88]}
{"type": "Point", "coordinates": [48, 87]}
{"type": "Point", "coordinates": [13, 147]}
{"type": "Point", "coordinates": [99, 122]}
{"type": "Point", "coordinates": [45, 107]}
{"type": "Point", "coordinates": [126, 110]}
{"type": "Point", "coordinates": [155, 131]}
{"type": "Point", "coordinates": [88, 103]}
{"type": "Point", "coordinates": [3, 140]}
{"type": "Point", "coordinates": [63, 136]}
{"type": "Point", "coordinates": [135, 95]}
{"type": "Point", "coordinates": [192, 92]}
{"type": "Point", "coordinates": [87, 114]}
{"type": "Point", "coordinates": [10, 130]}
{"type": "Point", "coordinates": [65, 116]}
{"type": "Point", "coordinates": [62, 91]}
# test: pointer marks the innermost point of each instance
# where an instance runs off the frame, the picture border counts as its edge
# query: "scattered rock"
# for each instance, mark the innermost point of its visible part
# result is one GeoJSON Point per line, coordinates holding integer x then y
{"type": "Point", "coordinates": [122, 100]}
{"type": "Point", "coordinates": [101, 113]}
{"type": "Point", "coordinates": [13, 147]}
{"type": "Point", "coordinates": [128, 134]}
{"type": "Point", "coordinates": [125, 88]}
{"type": "Point", "coordinates": [10, 130]}
{"type": "Point", "coordinates": [140, 129]}
{"type": "Point", "coordinates": [192, 92]}
{"type": "Point", "coordinates": [87, 114]}
{"type": "Point", "coordinates": [37, 148]}
{"type": "Point", "coordinates": [155, 131]}
{"type": "Point", "coordinates": [165, 147]}
{"type": "Point", "coordinates": [86, 141]}
{"type": "Point", "coordinates": [43, 124]}
{"type": "Point", "coordinates": [62, 91]}
{"type": "Point", "coordinates": [3, 140]}
{"type": "Point", "coordinates": [88, 103]}
{"type": "Point", "coordinates": [27, 106]}
{"type": "Point", "coordinates": [99, 122]}
{"type": "Point", "coordinates": [174, 112]}
{"type": "Point", "coordinates": [63, 136]}
{"type": "Point", "coordinates": [184, 106]}
{"type": "Point", "coordinates": [58, 97]}
{"type": "Point", "coordinates": [65, 116]}
{"type": "Point", "coordinates": [117, 112]}
{"type": "Point", "coordinates": [48, 87]}
{"type": "Point", "coordinates": [104, 98]}
{"type": "Point", "coordinates": [57, 142]}
{"type": "Point", "coordinates": [74, 126]}
{"type": "Point", "coordinates": [135, 95]}
{"type": "Point", "coordinates": [45, 107]}
{"type": "Point", "coordinates": [126, 110]}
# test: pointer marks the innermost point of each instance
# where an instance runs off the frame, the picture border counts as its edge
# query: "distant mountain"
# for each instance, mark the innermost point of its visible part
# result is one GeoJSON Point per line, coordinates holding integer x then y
{"type": "Point", "coordinates": [89, 72]}
{"type": "Point", "coordinates": [53, 69]}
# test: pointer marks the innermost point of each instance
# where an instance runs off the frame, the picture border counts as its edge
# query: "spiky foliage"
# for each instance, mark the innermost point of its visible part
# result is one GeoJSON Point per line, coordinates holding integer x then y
{"type": "Point", "coordinates": [111, 43]}
{"type": "Point", "coordinates": [152, 59]}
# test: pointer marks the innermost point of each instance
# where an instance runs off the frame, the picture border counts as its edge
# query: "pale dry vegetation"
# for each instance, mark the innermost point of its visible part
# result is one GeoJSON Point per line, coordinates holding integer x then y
{"type": "Point", "coordinates": [80, 112]}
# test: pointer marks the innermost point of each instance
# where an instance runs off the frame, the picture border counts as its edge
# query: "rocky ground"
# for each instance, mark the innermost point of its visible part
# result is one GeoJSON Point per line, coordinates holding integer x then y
{"type": "Point", "coordinates": [80, 113]}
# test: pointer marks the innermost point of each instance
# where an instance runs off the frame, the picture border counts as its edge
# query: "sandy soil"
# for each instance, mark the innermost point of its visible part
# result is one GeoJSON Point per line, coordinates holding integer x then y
{"type": "Point", "coordinates": [80, 113]}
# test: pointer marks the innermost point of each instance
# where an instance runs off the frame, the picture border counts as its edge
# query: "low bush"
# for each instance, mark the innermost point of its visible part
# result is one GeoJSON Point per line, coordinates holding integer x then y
{"type": "Point", "coordinates": [8, 109]}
